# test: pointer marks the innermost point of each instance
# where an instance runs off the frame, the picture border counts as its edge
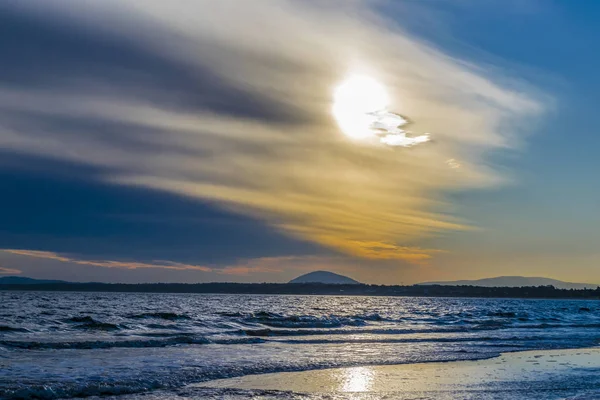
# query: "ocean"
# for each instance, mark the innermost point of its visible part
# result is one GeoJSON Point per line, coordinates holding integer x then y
{"type": "Point", "coordinates": [67, 344]}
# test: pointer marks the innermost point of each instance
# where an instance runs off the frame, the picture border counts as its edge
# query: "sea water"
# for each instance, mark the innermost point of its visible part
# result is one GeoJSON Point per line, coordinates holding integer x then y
{"type": "Point", "coordinates": [68, 344]}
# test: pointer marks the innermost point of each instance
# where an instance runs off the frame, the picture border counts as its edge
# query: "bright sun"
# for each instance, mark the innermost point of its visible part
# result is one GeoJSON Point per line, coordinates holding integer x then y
{"type": "Point", "coordinates": [354, 102]}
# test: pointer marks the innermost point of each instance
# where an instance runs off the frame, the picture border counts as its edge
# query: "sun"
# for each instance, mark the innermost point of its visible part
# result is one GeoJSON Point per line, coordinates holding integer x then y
{"type": "Point", "coordinates": [354, 102]}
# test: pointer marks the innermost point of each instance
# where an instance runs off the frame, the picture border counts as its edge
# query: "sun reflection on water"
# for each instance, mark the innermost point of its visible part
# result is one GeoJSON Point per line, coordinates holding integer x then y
{"type": "Point", "coordinates": [357, 379]}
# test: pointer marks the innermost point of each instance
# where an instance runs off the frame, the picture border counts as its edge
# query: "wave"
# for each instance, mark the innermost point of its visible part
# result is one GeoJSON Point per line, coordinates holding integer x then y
{"type": "Point", "coordinates": [6, 328]}
{"type": "Point", "coordinates": [545, 325]}
{"type": "Point", "coordinates": [231, 314]}
{"type": "Point", "coordinates": [170, 316]}
{"type": "Point", "coordinates": [283, 321]}
{"type": "Point", "coordinates": [82, 318]}
{"type": "Point", "coordinates": [490, 325]}
{"type": "Point", "coordinates": [463, 339]}
{"type": "Point", "coordinates": [61, 391]}
{"type": "Point", "coordinates": [309, 332]}
{"type": "Point", "coordinates": [307, 321]}
{"type": "Point", "coordinates": [85, 322]}
{"type": "Point", "coordinates": [589, 395]}
{"type": "Point", "coordinates": [255, 336]}
{"type": "Point", "coordinates": [489, 320]}
{"type": "Point", "coordinates": [100, 344]}
{"type": "Point", "coordinates": [251, 340]}
{"type": "Point", "coordinates": [503, 314]}
{"type": "Point", "coordinates": [98, 326]}
{"type": "Point", "coordinates": [160, 326]}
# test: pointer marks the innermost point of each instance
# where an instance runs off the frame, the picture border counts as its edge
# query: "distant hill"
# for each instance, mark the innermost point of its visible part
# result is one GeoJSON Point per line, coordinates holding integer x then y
{"type": "Point", "coordinates": [324, 277]}
{"type": "Point", "coordinates": [515, 281]}
{"type": "Point", "coordinates": [20, 280]}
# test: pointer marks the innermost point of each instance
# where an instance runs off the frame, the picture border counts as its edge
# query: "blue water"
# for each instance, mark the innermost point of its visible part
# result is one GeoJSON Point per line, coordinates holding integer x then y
{"type": "Point", "coordinates": [61, 345]}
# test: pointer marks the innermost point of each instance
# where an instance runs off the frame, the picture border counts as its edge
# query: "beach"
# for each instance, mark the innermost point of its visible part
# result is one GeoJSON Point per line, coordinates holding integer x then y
{"type": "Point", "coordinates": [549, 374]}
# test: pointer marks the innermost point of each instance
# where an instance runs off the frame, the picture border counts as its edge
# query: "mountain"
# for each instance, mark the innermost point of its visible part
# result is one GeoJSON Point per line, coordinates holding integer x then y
{"type": "Point", "coordinates": [21, 280]}
{"type": "Point", "coordinates": [324, 277]}
{"type": "Point", "coordinates": [515, 281]}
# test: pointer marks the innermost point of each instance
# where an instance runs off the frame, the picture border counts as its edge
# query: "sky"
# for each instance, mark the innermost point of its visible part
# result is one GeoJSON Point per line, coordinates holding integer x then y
{"type": "Point", "coordinates": [201, 141]}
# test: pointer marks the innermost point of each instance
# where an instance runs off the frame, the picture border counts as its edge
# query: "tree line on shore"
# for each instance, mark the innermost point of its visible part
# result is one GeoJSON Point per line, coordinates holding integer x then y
{"type": "Point", "coordinates": [317, 289]}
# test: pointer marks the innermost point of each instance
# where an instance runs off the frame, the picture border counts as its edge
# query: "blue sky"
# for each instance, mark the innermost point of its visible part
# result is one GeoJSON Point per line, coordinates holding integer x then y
{"type": "Point", "coordinates": [144, 145]}
{"type": "Point", "coordinates": [545, 222]}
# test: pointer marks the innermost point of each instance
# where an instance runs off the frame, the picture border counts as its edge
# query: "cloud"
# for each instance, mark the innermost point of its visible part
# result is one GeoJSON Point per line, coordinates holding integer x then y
{"type": "Point", "coordinates": [387, 251]}
{"type": "Point", "coordinates": [243, 267]}
{"type": "Point", "coordinates": [255, 134]}
{"type": "Point", "coordinates": [10, 271]}
{"type": "Point", "coordinates": [108, 263]}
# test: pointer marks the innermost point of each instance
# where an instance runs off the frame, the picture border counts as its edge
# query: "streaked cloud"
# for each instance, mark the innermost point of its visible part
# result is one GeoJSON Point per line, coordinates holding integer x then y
{"type": "Point", "coordinates": [108, 263]}
{"type": "Point", "coordinates": [271, 265]}
{"type": "Point", "coordinates": [262, 142]}
{"type": "Point", "coordinates": [10, 271]}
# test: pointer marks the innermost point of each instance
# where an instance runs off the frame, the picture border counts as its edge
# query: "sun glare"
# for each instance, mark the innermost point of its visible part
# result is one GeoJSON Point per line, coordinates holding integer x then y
{"type": "Point", "coordinates": [360, 107]}
{"type": "Point", "coordinates": [354, 103]}
{"type": "Point", "coordinates": [358, 379]}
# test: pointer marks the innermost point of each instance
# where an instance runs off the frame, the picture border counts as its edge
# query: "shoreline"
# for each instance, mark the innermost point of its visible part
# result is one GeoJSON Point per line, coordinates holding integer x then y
{"type": "Point", "coordinates": [40, 288]}
{"type": "Point", "coordinates": [548, 374]}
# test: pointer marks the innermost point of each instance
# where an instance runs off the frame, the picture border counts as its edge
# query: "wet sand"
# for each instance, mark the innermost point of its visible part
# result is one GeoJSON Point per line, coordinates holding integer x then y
{"type": "Point", "coordinates": [549, 374]}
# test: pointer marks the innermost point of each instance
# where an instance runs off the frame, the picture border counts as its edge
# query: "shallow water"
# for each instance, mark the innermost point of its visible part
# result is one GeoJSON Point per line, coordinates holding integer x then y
{"type": "Point", "coordinates": [60, 345]}
{"type": "Point", "coordinates": [540, 374]}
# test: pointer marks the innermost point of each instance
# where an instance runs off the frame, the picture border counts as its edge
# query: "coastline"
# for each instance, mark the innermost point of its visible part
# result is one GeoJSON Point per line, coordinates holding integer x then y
{"type": "Point", "coordinates": [317, 289]}
{"type": "Point", "coordinates": [542, 374]}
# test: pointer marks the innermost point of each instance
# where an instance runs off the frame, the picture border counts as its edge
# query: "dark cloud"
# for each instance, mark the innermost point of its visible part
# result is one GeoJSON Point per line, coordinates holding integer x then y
{"type": "Point", "coordinates": [129, 137]}
{"type": "Point", "coordinates": [64, 207]}
{"type": "Point", "coordinates": [48, 54]}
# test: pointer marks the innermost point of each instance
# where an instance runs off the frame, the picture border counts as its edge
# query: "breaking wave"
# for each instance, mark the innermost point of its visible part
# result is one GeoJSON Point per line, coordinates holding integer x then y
{"type": "Point", "coordinates": [308, 321]}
